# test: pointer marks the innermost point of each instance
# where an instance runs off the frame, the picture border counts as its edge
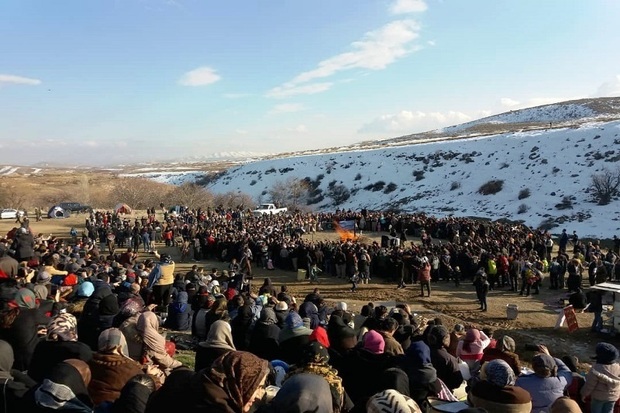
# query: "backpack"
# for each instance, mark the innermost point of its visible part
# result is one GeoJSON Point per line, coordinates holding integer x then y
{"type": "Point", "coordinates": [492, 267]}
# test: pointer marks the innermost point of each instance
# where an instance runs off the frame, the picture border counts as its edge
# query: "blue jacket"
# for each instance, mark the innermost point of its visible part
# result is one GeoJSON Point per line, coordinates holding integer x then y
{"type": "Point", "coordinates": [545, 391]}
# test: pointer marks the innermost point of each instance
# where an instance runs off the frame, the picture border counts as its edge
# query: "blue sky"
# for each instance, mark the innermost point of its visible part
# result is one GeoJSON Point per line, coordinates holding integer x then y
{"type": "Point", "coordinates": [103, 82]}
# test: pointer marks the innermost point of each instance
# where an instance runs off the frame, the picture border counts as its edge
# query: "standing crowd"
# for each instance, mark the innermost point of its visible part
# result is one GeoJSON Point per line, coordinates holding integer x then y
{"type": "Point", "coordinates": [80, 323]}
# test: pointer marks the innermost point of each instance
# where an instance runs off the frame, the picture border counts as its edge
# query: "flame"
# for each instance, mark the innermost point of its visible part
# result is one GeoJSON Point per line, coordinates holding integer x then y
{"type": "Point", "coordinates": [344, 234]}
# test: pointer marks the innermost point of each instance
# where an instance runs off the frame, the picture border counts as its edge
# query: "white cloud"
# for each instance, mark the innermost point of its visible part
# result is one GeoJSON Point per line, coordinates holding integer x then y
{"type": "Point", "coordinates": [201, 76]}
{"type": "Point", "coordinates": [286, 108]}
{"type": "Point", "coordinates": [412, 122]}
{"type": "Point", "coordinates": [299, 129]}
{"type": "Point", "coordinates": [431, 43]}
{"type": "Point", "coordinates": [235, 95]}
{"type": "Point", "coordinates": [375, 51]}
{"type": "Point", "coordinates": [609, 88]}
{"type": "Point", "coordinates": [509, 103]}
{"type": "Point", "coordinates": [289, 89]}
{"type": "Point", "coordinates": [408, 6]}
{"type": "Point", "coordinates": [18, 80]}
{"type": "Point", "coordinates": [241, 132]}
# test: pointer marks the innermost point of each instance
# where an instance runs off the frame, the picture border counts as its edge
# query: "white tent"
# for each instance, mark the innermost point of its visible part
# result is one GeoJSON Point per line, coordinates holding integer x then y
{"type": "Point", "coordinates": [58, 212]}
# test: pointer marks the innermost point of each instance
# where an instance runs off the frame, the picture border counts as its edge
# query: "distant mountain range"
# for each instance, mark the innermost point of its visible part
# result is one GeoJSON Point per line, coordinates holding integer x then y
{"type": "Point", "coordinates": [541, 158]}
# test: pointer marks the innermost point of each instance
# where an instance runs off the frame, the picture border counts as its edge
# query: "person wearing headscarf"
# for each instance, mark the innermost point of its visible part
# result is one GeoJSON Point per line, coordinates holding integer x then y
{"type": "Point", "coordinates": [422, 375]}
{"type": "Point", "coordinates": [267, 288]}
{"type": "Point", "coordinates": [128, 318]}
{"type": "Point", "coordinates": [447, 366]}
{"type": "Point", "coordinates": [292, 338]}
{"type": "Point", "coordinates": [19, 326]}
{"type": "Point", "coordinates": [470, 348]}
{"type": "Point", "coordinates": [154, 344]}
{"type": "Point", "coordinates": [548, 381]}
{"type": "Point", "coordinates": [99, 311]}
{"type": "Point", "coordinates": [64, 389]}
{"type": "Point", "coordinates": [320, 334]}
{"type": "Point", "coordinates": [231, 385]}
{"type": "Point", "coordinates": [219, 341]}
{"type": "Point", "coordinates": [14, 383]}
{"type": "Point", "coordinates": [217, 311]}
{"type": "Point", "coordinates": [391, 401]}
{"type": "Point", "coordinates": [134, 395]}
{"type": "Point", "coordinates": [79, 298]}
{"type": "Point", "coordinates": [60, 344]}
{"type": "Point", "coordinates": [603, 379]}
{"type": "Point", "coordinates": [179, 313]}
{"type": "Point", "coordinates": [302, 393]}
{"type": "Point", "coordinates": [315, 360]}
{"type": "Point", "coordinates": [505, 350]}
{"type": "Point", "coordinates": [309, 310]}
{"type": "Point", "coordinates": [497, 393]}
{"type": "Point", "coordinates": [264, 336]}
{"type": "Point", "coordinates": [341, 337]}
{"type": "Point", "coordinates": [111, 367]}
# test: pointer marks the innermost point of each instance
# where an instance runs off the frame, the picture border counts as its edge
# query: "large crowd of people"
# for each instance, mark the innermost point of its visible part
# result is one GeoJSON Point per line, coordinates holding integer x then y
{"type": "Point", "coordinates": [82, 316]}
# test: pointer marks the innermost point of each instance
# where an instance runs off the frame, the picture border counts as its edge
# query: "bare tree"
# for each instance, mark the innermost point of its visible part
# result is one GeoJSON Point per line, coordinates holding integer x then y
{"type": "Point", "coordinates": [233, 200]}
{"type": "Point", "coordinates": [606, 185]}
{"type": "Point", "coordinates": [138, 193]}
{"type": "Point", "coordinates": [12, 197]}
{"type": "Point", "coordinates": [291, 192]}
{"type": "Point", "coordinates": [191, 195]}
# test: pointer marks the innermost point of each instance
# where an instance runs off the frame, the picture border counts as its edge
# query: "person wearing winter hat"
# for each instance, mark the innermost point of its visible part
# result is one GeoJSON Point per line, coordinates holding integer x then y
{"type": "Point", "coordinates": [505, 350]}
{"type": "Point", "coordinates": [603, 379]}
{"type": "Point", "coordinates": [42, 287]}
{"type": "Point", "coordinates": [497, 392]}
{"type": "Point", "coordinates": [373, 342]}
{"type": "Point", "coordinates": [281, 310]}
{"type": "Point", "coordinates": [391, 401]}
{"type": "Point", "coordinates": [547, 382]}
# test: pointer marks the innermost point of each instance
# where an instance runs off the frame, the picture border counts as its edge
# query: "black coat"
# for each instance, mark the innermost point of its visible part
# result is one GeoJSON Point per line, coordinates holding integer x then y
{"type": "Point", "coordinates": [264, 341]}
{"type": "Point", "coordinates": [23, 337]}
{"type": "Point", "coordinates": [189, 392]}
{"type": "Point", "coordinates": [49, 353]}
{"type": "Point", "coordinates": [358, 369]}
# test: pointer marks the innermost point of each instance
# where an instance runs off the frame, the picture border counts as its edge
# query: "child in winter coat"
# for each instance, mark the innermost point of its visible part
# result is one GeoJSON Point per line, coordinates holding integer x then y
{"type": "Point", "coordinates": [603, 380]}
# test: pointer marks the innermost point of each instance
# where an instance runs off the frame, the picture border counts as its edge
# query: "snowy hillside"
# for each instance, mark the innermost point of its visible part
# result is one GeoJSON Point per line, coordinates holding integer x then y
{"type": "Point", "coordinates": [443, 178]}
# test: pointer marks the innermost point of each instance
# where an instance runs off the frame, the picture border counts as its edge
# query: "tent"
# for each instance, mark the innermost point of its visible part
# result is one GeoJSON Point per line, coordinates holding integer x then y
{"type": "Point", "coordinates": [122, 209]}
{"type": "Point", "coordinates": [58, 212]}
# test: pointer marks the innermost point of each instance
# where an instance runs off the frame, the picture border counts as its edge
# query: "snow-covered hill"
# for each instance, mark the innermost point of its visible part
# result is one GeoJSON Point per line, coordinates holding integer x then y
{"type": "Point", "coordinates": [443, 178]}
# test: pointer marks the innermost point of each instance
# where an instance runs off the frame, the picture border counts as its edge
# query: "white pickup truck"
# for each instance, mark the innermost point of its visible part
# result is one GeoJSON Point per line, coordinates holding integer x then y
{"type": "Point", "coordinates": [267, 209]}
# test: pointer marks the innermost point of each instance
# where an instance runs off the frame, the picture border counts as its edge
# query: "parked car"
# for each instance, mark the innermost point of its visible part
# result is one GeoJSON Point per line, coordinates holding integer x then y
{"type": "Point", "coordinates": [75, 207]}
{"type": "Point", "coordinates": [10, 213]}
{"type": "Point", "coordinates": [266, 209]}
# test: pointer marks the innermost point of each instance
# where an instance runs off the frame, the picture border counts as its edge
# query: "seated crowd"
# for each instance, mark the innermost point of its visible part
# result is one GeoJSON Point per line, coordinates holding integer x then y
{"type": "Point", "coordinates": [80, 331]}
